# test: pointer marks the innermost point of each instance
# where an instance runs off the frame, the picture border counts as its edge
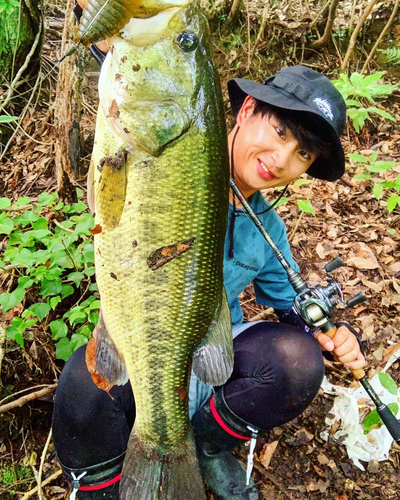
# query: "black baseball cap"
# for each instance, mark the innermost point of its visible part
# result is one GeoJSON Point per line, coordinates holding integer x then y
{"type": "Point", "coordinates": [299, 88]}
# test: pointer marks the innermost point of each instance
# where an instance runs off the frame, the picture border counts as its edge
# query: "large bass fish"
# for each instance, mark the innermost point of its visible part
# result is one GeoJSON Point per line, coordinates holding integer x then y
{"type": "Point", "coordinates": [159, 188]}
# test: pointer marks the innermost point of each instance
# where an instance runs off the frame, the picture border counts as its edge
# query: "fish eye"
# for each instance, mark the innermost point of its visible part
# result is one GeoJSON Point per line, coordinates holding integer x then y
{"type": "Point", "coordinates": [187, 41]}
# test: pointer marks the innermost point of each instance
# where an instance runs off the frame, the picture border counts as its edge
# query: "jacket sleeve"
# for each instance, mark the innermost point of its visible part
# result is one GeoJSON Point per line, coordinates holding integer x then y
{"type": "Point", "coordinates": [271, 285]}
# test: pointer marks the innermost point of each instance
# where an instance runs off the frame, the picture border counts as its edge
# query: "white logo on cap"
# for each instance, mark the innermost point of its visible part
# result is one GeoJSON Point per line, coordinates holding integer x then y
{"type": "Point", "coordinates": [324, 106]}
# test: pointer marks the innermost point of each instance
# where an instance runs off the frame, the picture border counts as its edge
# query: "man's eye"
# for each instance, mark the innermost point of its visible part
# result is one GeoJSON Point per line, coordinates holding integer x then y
{"type": "Point", "coordinates": [280, 132]}
{"type": "Point", "coordinates": [305, 154]}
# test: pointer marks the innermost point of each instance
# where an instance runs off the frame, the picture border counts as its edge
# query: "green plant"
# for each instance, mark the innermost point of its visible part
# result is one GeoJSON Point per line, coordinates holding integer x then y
{"type": "Point", "coordinates": [373, 420]}
{"type": "Point", "coordinates": [359, 92]}
{"type": "Point", "coordinates": [372, 165]}
{"type": "Point", "coordinates": [8, 6]}
{"type": "Point", "coordinates": [51, 264]}
{"type": "Point", "coordinates": [392, 55]}
{"type": "Point", "coordinates": [8, 119]}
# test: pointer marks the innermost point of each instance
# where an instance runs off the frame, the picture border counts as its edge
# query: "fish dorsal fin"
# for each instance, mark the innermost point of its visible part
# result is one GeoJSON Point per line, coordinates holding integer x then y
{"type": "Point", "coordinates": [213, 360]}
{"type": "Point", "coordinates": [110, 363]}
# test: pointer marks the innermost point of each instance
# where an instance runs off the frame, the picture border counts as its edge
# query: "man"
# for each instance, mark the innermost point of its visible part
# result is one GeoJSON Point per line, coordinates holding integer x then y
{"type": "Point", "coordinates": [284, 128]}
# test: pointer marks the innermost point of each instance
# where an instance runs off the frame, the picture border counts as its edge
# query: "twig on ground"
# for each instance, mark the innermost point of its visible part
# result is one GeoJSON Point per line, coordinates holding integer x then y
{"type": "Point", "coordinates": [42, 459]}
{"type": "Point", "coordinates": [324, 39]}
{"type": "Point", "coordinates": [383, 33]}
{"type": "Point", "coordinates": [262, 314]}
{"type": "Point", "coordinates": [2, 341]}
{"type": "Point", "coordinates": [356, 31]}
{"type": "Point", "coordinates": [62, 227]}
{"type": "Point", "coordinates": [51, 478]}
{"type": "Point", "coordinates": [29, 397]}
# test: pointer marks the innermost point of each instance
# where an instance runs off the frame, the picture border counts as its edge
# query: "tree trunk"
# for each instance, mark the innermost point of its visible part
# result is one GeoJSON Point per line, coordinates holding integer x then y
{"type": "Point", "coordinates": [68, 110]}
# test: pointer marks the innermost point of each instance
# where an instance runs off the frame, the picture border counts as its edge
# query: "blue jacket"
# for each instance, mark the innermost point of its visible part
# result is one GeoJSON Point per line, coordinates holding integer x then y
{"type": "Point", "coordinates": [254, 262]}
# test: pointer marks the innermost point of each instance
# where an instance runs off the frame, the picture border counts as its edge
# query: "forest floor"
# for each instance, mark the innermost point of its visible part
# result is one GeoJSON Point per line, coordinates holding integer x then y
{"type": "Point", "coordinates": [293, 461]}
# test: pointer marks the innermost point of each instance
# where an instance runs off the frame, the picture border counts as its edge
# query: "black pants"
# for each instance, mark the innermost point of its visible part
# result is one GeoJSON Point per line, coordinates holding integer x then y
{"type": "Point", "coordinates": [277, 373]}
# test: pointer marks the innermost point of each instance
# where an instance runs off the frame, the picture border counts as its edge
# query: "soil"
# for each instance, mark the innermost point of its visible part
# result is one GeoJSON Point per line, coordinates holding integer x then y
{"type": "Point", "coordinates": [349, 221]}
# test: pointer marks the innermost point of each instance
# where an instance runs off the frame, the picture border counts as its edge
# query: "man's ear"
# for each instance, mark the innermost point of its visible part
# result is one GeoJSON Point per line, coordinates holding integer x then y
{"type": "Point", "coordinates": [245, 111]}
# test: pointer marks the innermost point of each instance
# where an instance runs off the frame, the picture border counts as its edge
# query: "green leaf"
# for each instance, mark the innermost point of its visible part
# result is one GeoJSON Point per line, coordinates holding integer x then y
{"type": "Point", "coordinates": [58, 329]}
{"type": "Point", "coordinates": [22, 201]}
{"type": "Point", "coordinates": [41, 223]}
{"type": "Point", "coordinates": [67, 290]}
{"type": "Point", "coordinates": [50, 287]}
{"type": "Point", "coordinates": [4, 203]}
{"type": "Point", "coordinates": [394, 408]}
{"type": "Point", "coordinates": [372, 421]}
{"type": "Point", "coordinates": [26, 218]}
{"type": "Point", "coordinates": [76, 278]}
{"type": "Point", "coordinates": [76, 316]}
{"type": "Point", "coordinates": [78, 341]}
{"type": "Point", "coordinates": [373, 157]}
{"type": "Point", "coordinates": [362, 177]}
{"type": "Point", "coordinates": [387, 382]}
{"type": "Point", "coordinates": [381, 166]}
{"type": "Point", "coordinates": [10, 300]}
{"type": "Point", "coordinates": [25, 282]}
{"type": "Point", "coordinates": [46, 199]}
{"type": "Point", "coordinates": [305, 206]}
{"type": "Point", "coordinates": [300, 182]}
{"type": "Point", "coordinates": [358, 158]}
{"type": "Point", "coordinates": [377, 190]}
{"type": "Point", "coordinates": [93, 287]}
{"type": "Point", "coordinates": [95, 305]}
{"type": "Point", "coordinates": [40, 310]}
{"type": "Point", "coordinates": [64, 349]}
{"type": "Point", "coordinates": [79, 193]}
{"type": "Point", "coordinates": [6, 118]}
{"type": "Point", "coordinates": [392, 202]}
{"type": "Point", "coordinates": [94, 317]}
{"type": "Point", "coordinates": [6, 225]}
{"type": "Point", "coordinates": [54, 301]}
{"type": "Point", "coordinates": [85, 330]}
{"type": "Point", "coordinates": [381, 112]}
{"type": "Point", "coordinates": [90, 271]}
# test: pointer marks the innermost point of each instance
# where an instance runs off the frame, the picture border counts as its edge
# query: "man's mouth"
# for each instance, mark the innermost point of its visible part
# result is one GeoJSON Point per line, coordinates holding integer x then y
{"type": "Point", "coordinates": [264, 171]}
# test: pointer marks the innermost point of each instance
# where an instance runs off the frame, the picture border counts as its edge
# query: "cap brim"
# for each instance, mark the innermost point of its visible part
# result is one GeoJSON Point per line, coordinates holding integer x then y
{"type": "Point", "coordinates": [329, 169]}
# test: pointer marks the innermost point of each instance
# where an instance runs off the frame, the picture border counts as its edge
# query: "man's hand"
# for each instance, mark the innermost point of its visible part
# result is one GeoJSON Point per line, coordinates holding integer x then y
{"type": "Point", "coordinates": [103, 45]}
{"type": "Point", "coordinates": [344, 346]}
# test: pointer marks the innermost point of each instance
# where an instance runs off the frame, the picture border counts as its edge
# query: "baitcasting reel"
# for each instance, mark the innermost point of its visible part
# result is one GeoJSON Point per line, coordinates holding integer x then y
{"type": "Point", "coordinates": [316, 304]}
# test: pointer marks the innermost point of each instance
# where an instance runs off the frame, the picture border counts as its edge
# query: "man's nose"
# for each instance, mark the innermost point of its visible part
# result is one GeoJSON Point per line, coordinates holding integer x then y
{"type": "Point", "coordinates": [282, 155]}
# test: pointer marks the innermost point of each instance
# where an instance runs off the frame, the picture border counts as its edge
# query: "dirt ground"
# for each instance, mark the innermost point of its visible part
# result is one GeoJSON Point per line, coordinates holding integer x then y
{"type": "Point", "coordinates": [349, 221]}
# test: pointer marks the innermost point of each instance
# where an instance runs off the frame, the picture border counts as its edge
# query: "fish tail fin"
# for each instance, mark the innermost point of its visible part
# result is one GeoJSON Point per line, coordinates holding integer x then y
{"type": "Point", "coordinates": [153, 476]}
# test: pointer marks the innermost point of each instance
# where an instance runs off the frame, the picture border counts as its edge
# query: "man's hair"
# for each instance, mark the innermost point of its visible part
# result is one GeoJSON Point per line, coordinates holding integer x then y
{"type": "Point", "coordinates": [310, 132]}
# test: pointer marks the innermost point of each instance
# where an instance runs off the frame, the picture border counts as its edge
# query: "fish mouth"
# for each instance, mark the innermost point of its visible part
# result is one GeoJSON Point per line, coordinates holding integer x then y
{"type": "Point", "coordinates": [265, 171]}
{"type": "Point", "coordinates": [147, 31]}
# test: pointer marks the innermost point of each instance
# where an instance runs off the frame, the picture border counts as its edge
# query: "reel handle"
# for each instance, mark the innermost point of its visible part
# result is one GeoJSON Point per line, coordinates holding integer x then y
{"type": "Point", "coordinates": [358, 373]}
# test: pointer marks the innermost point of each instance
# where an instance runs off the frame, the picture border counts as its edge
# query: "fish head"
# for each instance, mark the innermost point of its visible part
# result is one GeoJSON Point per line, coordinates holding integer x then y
{"type": "Point", "coordinates": [150, 83]}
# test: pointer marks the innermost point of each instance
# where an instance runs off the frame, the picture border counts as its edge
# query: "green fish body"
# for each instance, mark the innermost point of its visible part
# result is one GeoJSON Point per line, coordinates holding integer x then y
{"type": "Point", "coordinates": [159, 188]}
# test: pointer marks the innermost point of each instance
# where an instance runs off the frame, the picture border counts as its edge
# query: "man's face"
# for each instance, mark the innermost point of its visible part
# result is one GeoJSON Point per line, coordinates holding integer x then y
{"type": "Point", "coordinates": [265, 155]}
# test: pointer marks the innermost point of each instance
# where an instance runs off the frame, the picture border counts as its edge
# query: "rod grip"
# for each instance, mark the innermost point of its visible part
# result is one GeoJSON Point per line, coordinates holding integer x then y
{"type": "Point", "coordinates": [391, 422]}
{"type": "Point", "coordinates": [358, 373]}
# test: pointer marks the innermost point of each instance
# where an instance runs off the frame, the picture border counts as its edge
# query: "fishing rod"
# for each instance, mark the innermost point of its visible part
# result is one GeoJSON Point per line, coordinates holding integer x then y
{"type": "Point", "coordinates": [315, 304]}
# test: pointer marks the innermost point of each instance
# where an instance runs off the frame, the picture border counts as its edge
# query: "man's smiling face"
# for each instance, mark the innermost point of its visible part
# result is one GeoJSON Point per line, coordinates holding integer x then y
{"type": "Point", "coordinates": [265, 153]}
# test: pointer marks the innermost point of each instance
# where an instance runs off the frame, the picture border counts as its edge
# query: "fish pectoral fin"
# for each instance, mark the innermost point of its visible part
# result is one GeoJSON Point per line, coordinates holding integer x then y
{"type": "Point", "coordinates": [213, 360]}
{"type": "Point", "coordinates": [149, 475]}
{"type": "Point", "coordinates": [110, 363]}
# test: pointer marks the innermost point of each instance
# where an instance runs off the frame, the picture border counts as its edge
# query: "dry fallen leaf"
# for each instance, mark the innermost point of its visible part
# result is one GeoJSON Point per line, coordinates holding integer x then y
{"type": "Point", "coordinates": [362, 263]}
{"type": "Point", "coordinates": [319, 486]}
{"type": "Point", "coordinates": [377, 287]}
{"type": "Point", "coordinates": [267, 452]}
{"type": "Point", "coordinates": [320, 251]}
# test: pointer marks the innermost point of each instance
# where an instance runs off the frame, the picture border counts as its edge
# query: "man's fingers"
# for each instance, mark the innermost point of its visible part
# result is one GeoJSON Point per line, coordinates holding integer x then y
{"type": "Point", "coordinates": [324, 341]}
{"type": "Point", "coordinates": [357, 363]}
